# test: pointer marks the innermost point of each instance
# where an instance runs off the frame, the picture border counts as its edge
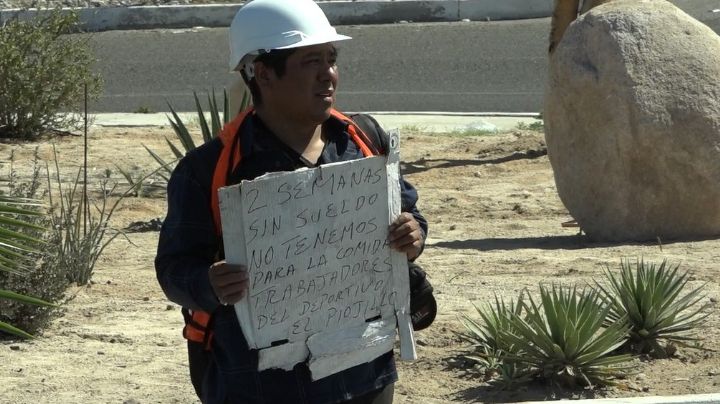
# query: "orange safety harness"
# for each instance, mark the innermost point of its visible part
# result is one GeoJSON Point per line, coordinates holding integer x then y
{"type": "Point", "coordinates": [198, 324]}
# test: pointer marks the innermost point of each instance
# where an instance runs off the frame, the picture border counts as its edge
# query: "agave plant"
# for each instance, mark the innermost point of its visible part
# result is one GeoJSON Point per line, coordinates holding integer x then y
{"type": "Point", "coordinates": [562, 339]}
{"type": "Point", "coordinates": [15, 242]}
{"type": "Point", "coordinates": [209, 130]}
{"type": "Point", "coordinates": [491, 349]}
{"type": "Point", "coordinates": [654, 301]}
{"type": "Point", "coordinates": [486, 337]}
{"type": "Point", "coordinates": [16, 245]}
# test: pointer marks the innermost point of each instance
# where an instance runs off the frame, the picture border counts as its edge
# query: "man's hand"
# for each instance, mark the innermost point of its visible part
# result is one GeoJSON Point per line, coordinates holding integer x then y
{"type": "Point", "coordinates": [406, 235]}
{"type": "Point", "coordinates": [229, 282]}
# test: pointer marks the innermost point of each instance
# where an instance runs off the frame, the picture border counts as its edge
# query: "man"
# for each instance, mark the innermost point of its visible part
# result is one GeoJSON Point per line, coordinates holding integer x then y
{"type": "Point", "coordinates": [285, 52]}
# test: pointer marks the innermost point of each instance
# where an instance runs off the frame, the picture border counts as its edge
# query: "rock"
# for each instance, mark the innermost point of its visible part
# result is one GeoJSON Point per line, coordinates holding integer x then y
{"type": "Point", "coordinates": [479, 126]}
{"type": "Point", "coordinates": [632, 121]}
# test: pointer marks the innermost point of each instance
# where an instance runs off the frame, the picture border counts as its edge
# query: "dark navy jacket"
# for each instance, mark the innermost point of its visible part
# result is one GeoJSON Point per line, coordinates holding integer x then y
{"type": "Point", "coordinates": [189, 245]}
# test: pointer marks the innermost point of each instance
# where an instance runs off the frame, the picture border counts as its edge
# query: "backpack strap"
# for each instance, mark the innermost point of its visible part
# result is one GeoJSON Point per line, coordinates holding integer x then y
{"type": "Point", "coordinates": [198, 327]}
{"type": "Point", "coordinates": [229, 160]}
{"type": "Point", "coordinates": [197, 322]}
{"type": "Point", "coordinates": [377, 136]}
{"type": "Point", "coordinates": [359, 136]}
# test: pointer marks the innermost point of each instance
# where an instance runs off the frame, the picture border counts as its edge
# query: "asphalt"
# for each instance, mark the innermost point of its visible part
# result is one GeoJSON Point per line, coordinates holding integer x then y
{"type": "Point", "coordinates": [361, 12]}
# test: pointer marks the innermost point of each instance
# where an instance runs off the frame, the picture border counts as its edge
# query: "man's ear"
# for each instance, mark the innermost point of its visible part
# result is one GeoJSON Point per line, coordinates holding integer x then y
{"type": "Point", "coordinates": [263, 75]}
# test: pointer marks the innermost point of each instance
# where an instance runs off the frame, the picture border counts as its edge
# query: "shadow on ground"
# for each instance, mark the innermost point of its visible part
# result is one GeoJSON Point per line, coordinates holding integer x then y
{"type": "Point", "coordinates": [532, 392]}
{"type": "Point", "coordinates": [574, 242]}
{"type": "Point", "coordinates": [412, 167]}
{"type": "Point", "coordinates": [494, 393]}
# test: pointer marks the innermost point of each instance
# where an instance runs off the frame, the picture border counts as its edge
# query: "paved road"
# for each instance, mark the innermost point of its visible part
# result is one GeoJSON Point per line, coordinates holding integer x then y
{"type": "Point", "coordinates": [471, 66]}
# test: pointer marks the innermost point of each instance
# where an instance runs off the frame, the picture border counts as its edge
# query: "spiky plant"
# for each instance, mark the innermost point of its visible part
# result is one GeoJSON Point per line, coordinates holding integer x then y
{"type": "Point", "coordinates": [209, 131]}
{"type": "Point", "coordinates": [486, 335]}
{"type": "Point", "coordinates": [654, 300]}
{"type": "Point", "coordinates": [489, 347]}
{"type": "Point", "coordinates": [15, 242]}
{"type": "Point", "coordinates": [79, 229]}
{"type": "Point", "coordinates": [15, 248]}
{"type": "Point", "coordinates": [562, 339]}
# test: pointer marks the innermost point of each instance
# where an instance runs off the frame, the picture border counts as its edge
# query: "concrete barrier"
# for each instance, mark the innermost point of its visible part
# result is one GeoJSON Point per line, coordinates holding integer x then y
{"type": "Point", "coordinates": [338, 12]}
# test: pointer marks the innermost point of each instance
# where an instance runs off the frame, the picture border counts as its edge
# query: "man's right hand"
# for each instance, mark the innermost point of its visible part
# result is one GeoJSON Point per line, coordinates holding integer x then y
{"type": "Point", "coordinates": [229, 282]}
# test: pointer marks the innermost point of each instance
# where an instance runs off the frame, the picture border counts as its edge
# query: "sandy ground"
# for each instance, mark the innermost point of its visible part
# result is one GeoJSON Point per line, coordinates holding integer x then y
{"type": "Point", "coordinates": [495, 229]}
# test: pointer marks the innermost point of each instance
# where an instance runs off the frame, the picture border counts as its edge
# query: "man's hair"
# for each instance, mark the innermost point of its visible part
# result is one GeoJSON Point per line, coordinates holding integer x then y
{"type": "Point", "coordinates": [276, 60]}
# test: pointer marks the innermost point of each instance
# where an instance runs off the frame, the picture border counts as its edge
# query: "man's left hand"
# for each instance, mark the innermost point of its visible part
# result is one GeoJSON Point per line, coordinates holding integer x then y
{"type": "Point", "coordinates": [406, 235]}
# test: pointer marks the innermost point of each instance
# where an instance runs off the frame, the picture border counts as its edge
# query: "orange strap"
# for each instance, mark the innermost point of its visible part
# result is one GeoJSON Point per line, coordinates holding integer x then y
{"type": "Point", "coordinates": [197, 329]}
{"type": "Point", "coordinates": [227, 136]}
{"type": "Point", "coordinates": [356, 134]}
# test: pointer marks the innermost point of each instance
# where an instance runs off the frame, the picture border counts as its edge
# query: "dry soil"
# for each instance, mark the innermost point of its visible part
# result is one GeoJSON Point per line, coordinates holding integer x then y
{"type": "Point", "coordinates": [495, 228]}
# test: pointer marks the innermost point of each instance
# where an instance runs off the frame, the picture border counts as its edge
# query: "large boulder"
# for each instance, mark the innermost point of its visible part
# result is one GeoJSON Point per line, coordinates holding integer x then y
{"type": "Point", "coordinates": [632, 121]}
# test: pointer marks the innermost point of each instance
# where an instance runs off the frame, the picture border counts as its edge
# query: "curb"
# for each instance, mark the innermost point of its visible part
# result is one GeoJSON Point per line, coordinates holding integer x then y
{"type": "Point", "coordinates": [345, 12]}
{"type": "Point", "coordinates": [686, 399]}
{"type": "Point", "coordinates": [431, 122]}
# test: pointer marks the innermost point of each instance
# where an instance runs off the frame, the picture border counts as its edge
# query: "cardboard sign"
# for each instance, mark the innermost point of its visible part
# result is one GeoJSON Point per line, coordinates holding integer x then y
{"type": "Point", "coordinates": [324, 283]}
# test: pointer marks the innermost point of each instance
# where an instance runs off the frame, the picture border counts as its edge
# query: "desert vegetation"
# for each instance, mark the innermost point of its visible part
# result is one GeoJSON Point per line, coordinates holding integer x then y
{"type": "Point", "coordinates": [585, 337]}
{"type": "Point", "coordinates": [45, 72]}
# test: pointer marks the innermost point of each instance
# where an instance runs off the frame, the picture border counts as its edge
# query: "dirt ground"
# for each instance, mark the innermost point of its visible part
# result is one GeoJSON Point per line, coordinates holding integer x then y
{"type": "Point", "coordinates": [495, 228]}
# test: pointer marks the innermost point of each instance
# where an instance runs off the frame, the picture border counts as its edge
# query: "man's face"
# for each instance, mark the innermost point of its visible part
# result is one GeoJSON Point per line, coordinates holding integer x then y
{"type": "Point", "coordinates": [306, 92]}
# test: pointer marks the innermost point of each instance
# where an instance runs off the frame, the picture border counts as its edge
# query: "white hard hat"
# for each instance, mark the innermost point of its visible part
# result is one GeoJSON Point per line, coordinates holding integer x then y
{"type": "Point", "coordinates": [277, 24]}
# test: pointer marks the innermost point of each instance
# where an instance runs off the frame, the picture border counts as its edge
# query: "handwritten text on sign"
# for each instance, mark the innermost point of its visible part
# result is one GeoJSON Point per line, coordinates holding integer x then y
{"type": "Point", "coordinates": [316, 249]}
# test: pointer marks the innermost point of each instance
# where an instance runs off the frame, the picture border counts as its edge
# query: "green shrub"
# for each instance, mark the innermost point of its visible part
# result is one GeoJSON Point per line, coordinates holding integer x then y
{"type": "Point", "coordinates": [208, 131]}
{"type": "Point", "coordinates": [537, 126]}
{"type": "Point", "coordinates": [22, 223]}
{"type": "Point", "coordinates": [564, 341]}
{"type": "Point", "coordinates": [491, 349]}
{"type": "Point", "coordinates": [45, 282]}
{"type": "Point", "coordinates": [43, 71]}
{"type": "Point", "coordinates": [75, 230]}
{"type": "Point", "coordinates": [18, 233]}
{"type": "Point", "coordinates": [654, 300]}
{"type": "Point", "coordinates": [79, 227]}
{"type": "Point", "coordinates": [574, 337]}
{"type": "Point", "coordinates": [33, 276]}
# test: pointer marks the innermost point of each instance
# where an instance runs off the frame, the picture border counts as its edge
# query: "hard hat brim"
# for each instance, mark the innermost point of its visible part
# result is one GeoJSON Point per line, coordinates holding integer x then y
{"type": "Point", "coordinates": [306, 41]}
{"type": "Point", "coordinates": [309, 41]}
